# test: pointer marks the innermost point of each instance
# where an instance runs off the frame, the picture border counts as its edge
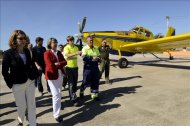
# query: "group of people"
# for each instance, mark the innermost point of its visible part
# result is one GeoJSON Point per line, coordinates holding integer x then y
{"type": "Point", "coordinates": [23, 65]}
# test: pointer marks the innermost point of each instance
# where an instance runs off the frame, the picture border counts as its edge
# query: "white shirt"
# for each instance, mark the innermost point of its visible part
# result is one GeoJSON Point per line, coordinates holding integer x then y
{"type": "Point", "coordinates": [55, 53]}
{"type": "Point", "coordinates": [23, 57]}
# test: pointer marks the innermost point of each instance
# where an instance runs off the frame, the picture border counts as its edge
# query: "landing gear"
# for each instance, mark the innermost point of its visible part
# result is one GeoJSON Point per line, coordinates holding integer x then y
{"type": "Point", "coordinates": [171, 57]}
{"type": "Point", "coordinates": [123, 63]}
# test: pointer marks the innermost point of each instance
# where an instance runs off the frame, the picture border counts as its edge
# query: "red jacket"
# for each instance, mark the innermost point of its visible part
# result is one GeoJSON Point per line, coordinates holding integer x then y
{"type": "Point", "coordinates": [51, 70]}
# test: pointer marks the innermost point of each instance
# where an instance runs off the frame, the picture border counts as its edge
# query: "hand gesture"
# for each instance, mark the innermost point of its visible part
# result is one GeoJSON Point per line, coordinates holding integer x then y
{"type": "Point", "coordinates": [79, 52]}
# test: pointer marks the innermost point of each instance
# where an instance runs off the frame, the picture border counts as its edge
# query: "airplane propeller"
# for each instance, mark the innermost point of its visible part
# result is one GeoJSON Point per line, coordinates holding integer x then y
{"type": "Point", "coordinates": [80, 34]}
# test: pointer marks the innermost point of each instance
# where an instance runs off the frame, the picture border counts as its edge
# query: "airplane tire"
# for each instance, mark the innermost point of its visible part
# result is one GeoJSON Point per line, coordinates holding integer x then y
{"type": "Point", "coordinates": [171, 57]}
{"type": "Point", "coordinates": [123, 63]}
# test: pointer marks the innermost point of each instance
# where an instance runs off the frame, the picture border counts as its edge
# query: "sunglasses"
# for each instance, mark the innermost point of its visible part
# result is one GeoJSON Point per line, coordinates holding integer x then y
{"type": "Point", "coordinates": [21, 38]}
{"type": "Point", "coordinates": [70, 40]}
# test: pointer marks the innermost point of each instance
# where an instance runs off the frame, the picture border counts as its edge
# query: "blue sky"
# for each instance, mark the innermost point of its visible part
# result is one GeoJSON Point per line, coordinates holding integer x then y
{"type": "Point", "coordinates": [58, 18]}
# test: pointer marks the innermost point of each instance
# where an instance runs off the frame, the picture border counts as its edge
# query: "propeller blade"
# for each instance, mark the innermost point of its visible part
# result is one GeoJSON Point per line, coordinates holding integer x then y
{"type": "Point", "coordinates": [77, 41]}
{"type": "Point", "coordinates": [79, 27]}
{"type": "Point", "coordinates": [80, 35]}
{"type": "Point", "coordinates": [83, 24]}
{"type": "Point", "coordinates": [80, 45]}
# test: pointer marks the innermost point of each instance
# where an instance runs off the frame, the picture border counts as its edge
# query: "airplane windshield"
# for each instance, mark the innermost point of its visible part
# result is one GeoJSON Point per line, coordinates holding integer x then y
{"type": "Point", "coordinates": [147, 33]}
{"type": "Point", "coordinates": [135, 30]}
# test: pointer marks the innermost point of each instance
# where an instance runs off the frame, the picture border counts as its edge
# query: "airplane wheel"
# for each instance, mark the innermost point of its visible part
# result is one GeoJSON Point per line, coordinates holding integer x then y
{"type": "Point", "coordinates": [171, 57]}
{"type": "Point", "coordinates": [123, 63]}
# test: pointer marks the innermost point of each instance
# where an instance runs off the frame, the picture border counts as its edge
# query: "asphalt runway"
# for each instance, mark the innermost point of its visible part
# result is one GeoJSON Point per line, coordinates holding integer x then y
{"type": "Point", "coordinates": [150, 92]}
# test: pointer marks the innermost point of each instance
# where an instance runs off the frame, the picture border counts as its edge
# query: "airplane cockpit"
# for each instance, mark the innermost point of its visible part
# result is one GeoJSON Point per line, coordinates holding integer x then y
{"type": "Point", "coordinates": [135, 30]}
{"type": "Point", "coordinates": [142, 31]}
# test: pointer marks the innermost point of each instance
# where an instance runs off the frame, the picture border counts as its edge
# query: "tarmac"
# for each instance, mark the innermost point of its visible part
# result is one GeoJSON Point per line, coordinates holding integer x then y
{"type": "Point", "coordinates": [150, 92]}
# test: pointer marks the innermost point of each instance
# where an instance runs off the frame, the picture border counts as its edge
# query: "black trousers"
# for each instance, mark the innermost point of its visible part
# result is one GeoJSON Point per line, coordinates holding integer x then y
{"type": "Point", "coordinates": [72, 76]}
{"type": "Point", "coordinates": [38, 83]}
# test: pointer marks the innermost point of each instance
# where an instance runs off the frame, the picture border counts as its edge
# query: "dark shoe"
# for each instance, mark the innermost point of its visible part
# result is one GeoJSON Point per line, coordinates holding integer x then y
{"type": "Point", "coordinates": [59, 119]}
{"type": "Point", "coordinates": [81, 95]}
{"type": "Point", "coordinates": [76, 103]}
{"type": "Point", "coordinates": [64, 86]}
{"type": "Point", "coordinates": [41, 94]}
{"type": "Point", "coordinates": [108, 82]}
{"type": "Point", "coordinates": [96, 99]}
{"type": "Point", "coordinates": [20, 124]}
{"type": "Point", "coordinates": [26, 114]}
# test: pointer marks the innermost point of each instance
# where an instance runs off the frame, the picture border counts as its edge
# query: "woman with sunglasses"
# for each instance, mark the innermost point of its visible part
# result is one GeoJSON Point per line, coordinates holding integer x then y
{"type": "Point", "coordinates": [19, 72]}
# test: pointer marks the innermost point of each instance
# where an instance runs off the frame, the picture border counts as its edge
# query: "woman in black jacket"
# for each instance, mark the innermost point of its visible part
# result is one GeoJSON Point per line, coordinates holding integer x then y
{"type": "Point", "coordinates": [19, 72]}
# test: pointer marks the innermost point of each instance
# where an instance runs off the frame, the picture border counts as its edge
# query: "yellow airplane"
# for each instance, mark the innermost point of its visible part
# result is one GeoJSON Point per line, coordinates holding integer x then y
{"type": "Point", "coordinates": [136, 40]}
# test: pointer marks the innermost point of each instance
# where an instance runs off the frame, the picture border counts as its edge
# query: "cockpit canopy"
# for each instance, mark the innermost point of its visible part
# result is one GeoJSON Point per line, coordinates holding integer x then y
{"type": "Point", "coordinates": [143, 31]}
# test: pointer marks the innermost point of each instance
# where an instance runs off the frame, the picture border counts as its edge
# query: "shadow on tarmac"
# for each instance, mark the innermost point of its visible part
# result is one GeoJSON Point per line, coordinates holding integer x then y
{"type": "Point", "coordinates": [6, 121]}
{"type": "Point", "coordinates": [8, 105]}
{"type": "Point", "coordinates": [42, 102]}
{"type": "Point", "coordinates": [87, 111]}
{"type": "Point", "coordinates": [90, 109]}
{"type": "Point", "coordinates": [157, 64]}
{"type": "Point", "coordinates": [169, 66]}
{"type": "Point", "coordinates": [6, 113]}
{"type": "Point", "coordinates": [120, 79]}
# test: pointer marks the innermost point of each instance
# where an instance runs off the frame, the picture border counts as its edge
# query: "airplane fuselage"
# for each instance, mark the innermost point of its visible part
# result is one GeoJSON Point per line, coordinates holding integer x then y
{"type": "Point", "coordinates": [119, 38]}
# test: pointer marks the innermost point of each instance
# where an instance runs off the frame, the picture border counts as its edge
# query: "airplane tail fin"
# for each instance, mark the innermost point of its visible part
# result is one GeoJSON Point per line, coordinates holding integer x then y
{"type": "Point", "coordinates": [170, 32]}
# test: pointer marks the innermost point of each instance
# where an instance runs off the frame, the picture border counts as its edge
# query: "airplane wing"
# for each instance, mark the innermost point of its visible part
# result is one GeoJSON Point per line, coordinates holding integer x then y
{"type": "Point", "coordinates": [159, 45]}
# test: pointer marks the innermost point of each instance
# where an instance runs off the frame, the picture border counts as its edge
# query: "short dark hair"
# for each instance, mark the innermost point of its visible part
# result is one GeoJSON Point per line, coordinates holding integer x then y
{"type": "Point", "coordinates": [27, 38]}
{"type": "Point", "coordinates": [60, 45]}
{"type": "Point", "coordinates": [70, 38]}
{"type": "Point", "coordinates": [38, 39]}
{"type": "Point", "coordinates": [103, 39]}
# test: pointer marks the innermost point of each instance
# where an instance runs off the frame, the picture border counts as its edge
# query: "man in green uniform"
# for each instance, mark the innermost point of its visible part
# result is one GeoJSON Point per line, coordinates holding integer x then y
{"type": "Point", "coordinates": [105, 62]}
